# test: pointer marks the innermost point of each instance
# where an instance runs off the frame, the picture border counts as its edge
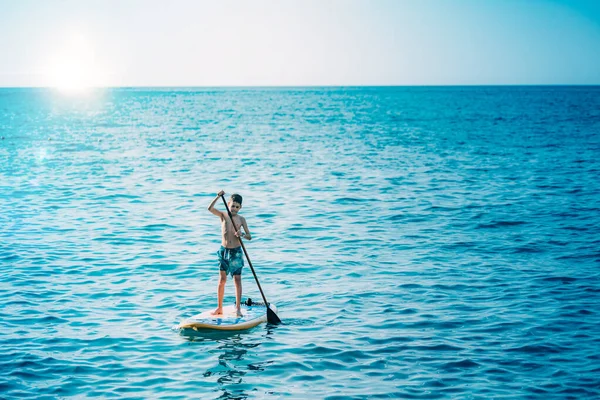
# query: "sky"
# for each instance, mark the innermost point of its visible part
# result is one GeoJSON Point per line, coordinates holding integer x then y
{"type": "Point", "coordinates": [81, 43]}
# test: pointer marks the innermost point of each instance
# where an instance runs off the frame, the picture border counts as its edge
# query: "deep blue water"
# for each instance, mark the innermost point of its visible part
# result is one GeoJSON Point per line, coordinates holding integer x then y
{"type": "Point", "coordinates": [428, 242]}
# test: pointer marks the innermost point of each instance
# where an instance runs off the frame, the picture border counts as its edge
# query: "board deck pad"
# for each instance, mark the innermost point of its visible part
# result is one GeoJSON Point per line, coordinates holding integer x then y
{"type": "Point", "coordinates": [228, 321]}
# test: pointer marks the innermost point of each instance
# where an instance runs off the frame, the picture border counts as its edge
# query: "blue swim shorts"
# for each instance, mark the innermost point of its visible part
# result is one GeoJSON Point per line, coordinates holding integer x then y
{"type": "Point", "coordinates": [231, 260]}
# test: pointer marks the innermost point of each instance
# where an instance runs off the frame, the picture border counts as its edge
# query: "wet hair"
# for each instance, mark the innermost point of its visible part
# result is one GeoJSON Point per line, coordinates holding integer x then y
{"type": "Point", "coordinates": [237, 198]}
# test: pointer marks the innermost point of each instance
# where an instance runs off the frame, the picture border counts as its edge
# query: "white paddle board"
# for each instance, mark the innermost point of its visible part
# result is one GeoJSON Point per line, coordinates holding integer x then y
{"type": "Point", "coordinates": [228, 321]}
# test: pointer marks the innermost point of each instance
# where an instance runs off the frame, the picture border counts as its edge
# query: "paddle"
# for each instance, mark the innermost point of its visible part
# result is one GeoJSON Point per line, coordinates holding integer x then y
{"type": "Point", "coordinates": [271, 316]}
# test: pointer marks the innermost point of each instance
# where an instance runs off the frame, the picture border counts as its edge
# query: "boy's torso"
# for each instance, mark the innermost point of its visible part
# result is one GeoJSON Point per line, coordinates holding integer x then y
{"type": "Point", "coordinates": [229, 239]}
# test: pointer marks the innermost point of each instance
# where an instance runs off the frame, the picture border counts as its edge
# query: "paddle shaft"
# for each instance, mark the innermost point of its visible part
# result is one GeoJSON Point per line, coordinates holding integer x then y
{"type": "Point", "coordinates": [246, 254]}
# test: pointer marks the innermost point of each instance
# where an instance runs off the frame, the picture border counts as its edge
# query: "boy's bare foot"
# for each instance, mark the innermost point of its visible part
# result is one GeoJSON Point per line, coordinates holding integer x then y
{"type": "Point", "coordinates": [218, 311]}
{"type": "Point", "coordinates": [238, 313]}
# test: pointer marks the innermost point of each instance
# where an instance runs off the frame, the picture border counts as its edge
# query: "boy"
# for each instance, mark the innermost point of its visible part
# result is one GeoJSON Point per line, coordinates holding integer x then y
{"type": "Point", "coordinates": [231, 257]}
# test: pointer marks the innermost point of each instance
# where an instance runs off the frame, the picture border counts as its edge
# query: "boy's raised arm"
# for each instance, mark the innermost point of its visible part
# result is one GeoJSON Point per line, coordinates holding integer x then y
{"type": "Point", "coordinates": [211, 206]}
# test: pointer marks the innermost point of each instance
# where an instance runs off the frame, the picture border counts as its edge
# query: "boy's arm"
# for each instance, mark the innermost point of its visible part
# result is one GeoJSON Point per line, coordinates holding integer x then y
{"type": "Point", "coordinates": [211, 206]}
{"type": "Point", "coordinates": [247, 236]}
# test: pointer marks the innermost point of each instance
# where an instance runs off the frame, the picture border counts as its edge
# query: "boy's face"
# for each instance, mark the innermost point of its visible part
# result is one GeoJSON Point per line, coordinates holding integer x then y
{"type": "Point", "coordinates": [234, 206]}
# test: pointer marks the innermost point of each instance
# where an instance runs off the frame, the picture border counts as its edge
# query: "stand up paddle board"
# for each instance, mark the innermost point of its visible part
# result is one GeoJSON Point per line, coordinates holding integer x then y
{"type": "Point", "coordinates": [252, 315]}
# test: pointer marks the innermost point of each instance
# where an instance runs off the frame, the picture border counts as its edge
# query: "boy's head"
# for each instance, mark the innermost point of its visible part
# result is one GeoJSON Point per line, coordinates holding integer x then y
{"type": "Point", "coordinates": [237, 198]}
{"type": "Point", "coordinates": [235, 203]}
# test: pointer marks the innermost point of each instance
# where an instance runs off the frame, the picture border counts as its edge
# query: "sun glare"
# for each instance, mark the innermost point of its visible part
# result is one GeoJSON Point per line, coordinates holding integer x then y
{"type": "Point", "coordinates": [70, 76]}
{"type": "Point", "coordinates": [73, 68]}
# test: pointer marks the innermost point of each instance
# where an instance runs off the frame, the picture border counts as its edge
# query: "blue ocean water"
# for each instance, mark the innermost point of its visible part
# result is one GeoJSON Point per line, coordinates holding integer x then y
{"type": "Point", "coordinates": [419, 242]}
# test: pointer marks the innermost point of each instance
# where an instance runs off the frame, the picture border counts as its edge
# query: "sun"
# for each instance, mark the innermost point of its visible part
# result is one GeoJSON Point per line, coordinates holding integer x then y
{"type": "Point", "coordinates": [71, 75]}
{"type": "Point", "coordinates": [73, 68]}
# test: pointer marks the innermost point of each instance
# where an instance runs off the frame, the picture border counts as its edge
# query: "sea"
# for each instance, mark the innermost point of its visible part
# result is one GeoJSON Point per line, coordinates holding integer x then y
{"type": "Point", "coordinates": [418, 242]}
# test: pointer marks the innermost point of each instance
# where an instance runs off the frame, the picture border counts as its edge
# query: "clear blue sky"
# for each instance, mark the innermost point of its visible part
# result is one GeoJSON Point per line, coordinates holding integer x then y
{"type": "Point", "coordinates": [304, 42]}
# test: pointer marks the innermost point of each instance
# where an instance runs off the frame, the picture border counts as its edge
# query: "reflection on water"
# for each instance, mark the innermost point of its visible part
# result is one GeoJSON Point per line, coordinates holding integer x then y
{"type": "Point", "coordinates": [233, 355]}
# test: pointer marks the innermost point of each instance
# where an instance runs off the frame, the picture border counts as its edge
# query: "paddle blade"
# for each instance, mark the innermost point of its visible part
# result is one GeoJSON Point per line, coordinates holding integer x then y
{"type": "Point", "coordinates": [272, 318]}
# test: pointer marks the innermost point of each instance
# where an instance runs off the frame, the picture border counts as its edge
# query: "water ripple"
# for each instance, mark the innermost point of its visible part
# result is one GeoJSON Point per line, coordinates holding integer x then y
{"type": "Point", "coordinates": [427, 243]}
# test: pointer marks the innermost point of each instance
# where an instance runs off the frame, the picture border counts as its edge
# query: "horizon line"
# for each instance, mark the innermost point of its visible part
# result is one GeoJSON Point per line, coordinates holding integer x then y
{"type": "Point", "coordinates": [308, 86]}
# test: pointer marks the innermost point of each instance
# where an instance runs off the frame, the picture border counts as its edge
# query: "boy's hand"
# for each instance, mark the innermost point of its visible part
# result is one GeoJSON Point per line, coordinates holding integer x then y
{"type": "Point", "coordinates": [221, 193]}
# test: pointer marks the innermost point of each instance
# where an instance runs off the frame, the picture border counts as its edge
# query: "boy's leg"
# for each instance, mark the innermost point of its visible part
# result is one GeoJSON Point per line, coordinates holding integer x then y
{"type": "Point", "coordinates": [220, 292]}
{"type": "Point", "coordinates": [237, 280]}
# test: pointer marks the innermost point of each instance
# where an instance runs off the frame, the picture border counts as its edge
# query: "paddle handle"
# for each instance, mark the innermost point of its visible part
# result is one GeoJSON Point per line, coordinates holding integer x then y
{"type": "Point", "coordinates": [245, 253]}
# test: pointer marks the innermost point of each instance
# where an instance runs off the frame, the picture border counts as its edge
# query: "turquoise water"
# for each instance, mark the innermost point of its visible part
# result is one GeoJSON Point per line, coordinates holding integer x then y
{"type": "Point", "coordinates": [433, 243]}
